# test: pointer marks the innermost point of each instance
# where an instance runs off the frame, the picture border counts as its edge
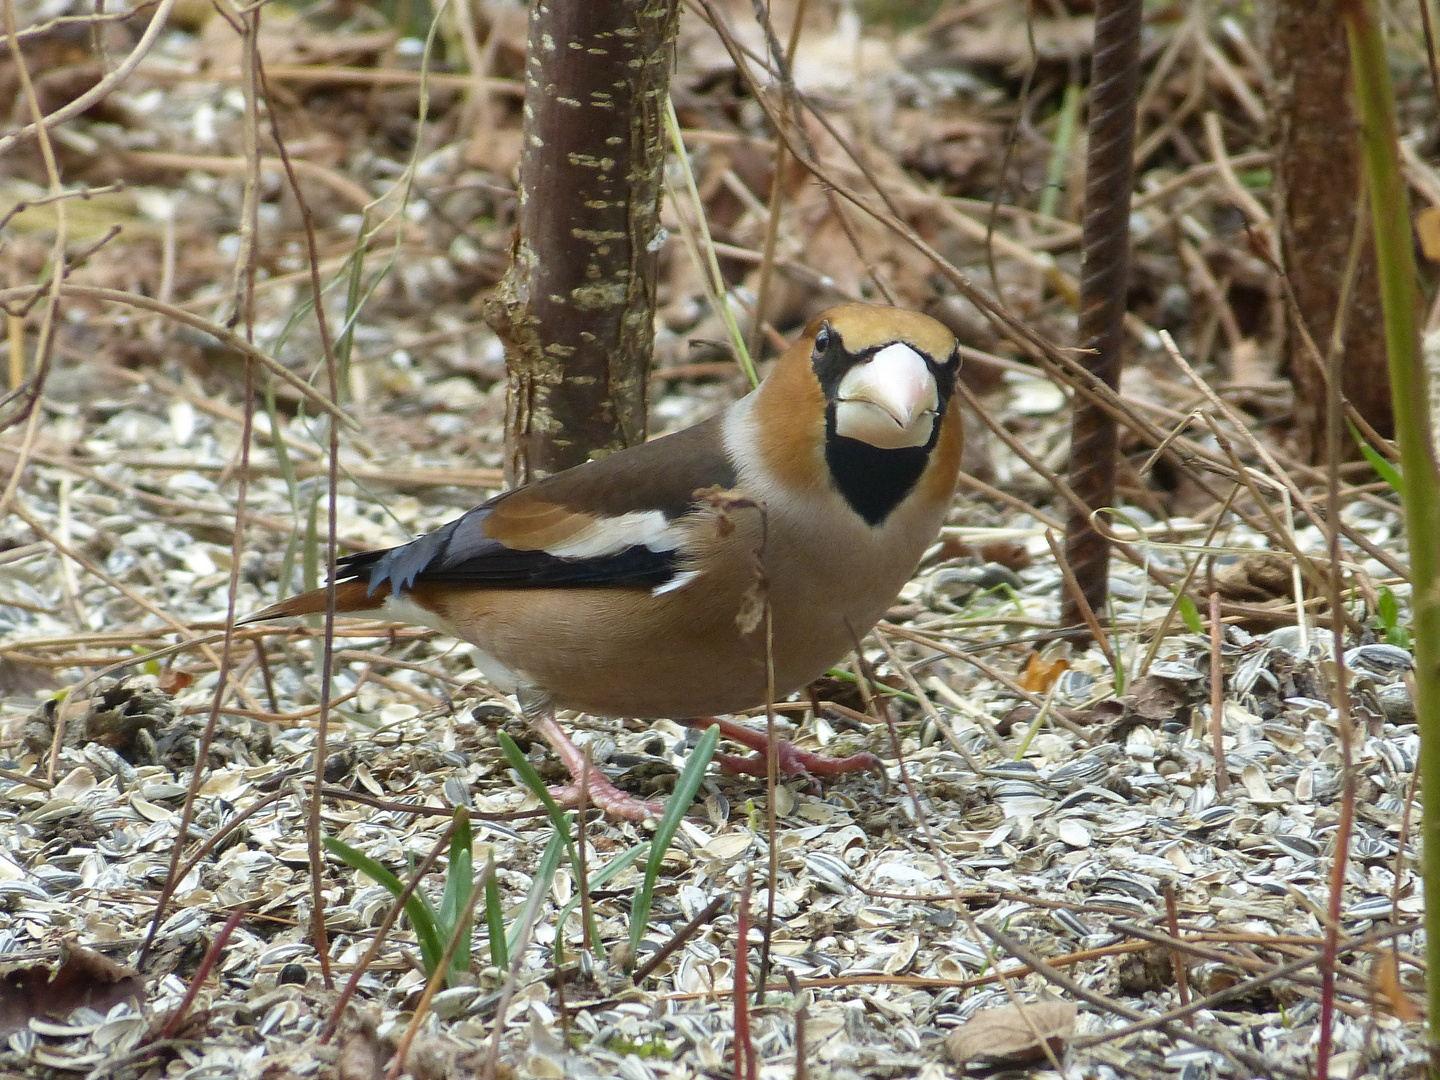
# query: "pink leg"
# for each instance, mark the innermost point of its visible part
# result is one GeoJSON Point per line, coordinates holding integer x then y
{"type": "Point", "coordinates": [789, 760]}
{"type": "Point", "coordinates": [602, 792]}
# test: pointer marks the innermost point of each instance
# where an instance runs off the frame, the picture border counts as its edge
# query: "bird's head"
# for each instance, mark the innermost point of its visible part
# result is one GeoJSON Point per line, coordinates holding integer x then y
{"type": "Point", "coordinates": [862, 404]}
{"type": "Point", "coordinates": [887, 374]}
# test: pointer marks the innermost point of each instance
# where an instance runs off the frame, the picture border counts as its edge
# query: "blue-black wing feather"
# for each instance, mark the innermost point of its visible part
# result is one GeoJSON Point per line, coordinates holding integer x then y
{"type": "Point", "coordinates": [663, 475]}
{"type": "Point", "coordinates": [458, 553]}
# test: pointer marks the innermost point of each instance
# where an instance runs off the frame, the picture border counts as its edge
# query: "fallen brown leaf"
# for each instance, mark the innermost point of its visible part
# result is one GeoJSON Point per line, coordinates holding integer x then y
{"type": "Point", "coordinates": [173, 680]}
{"type": "Point", "coordinates": [1255, 578]}
{"type": "Point", "coordinates": [1158, 699]}
{"type": "Point", "coordinates": [84, 977]}
{"type": "Point", "coordinates": [1427, 228]}
{"type": "Point", "coordinates": [1040, 675]}
{"type": "Point", "coordinates": [1007, 553]}
{"type": "Point", "coordinates": [1389, 993]}
{"type": "Point", "coordinates": [1005, 1036]}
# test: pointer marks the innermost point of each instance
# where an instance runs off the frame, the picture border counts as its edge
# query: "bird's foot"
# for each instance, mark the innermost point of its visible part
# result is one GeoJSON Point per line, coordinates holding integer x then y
{"type": "Point", "coordinates": [605, 795]}
{"type": "Point", "coordinates": [599, 790]}
{"type": "Point", "coordinates": [789, 759]}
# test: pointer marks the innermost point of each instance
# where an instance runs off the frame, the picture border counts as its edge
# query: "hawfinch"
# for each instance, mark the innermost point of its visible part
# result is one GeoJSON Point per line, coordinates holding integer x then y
{"type": "Point", "coordinates": [635, 585]}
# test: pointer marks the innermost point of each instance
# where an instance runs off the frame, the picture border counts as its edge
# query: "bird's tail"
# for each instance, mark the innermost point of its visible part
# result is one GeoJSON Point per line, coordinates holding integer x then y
{"type": "Point", "coordinates": [350, 596]}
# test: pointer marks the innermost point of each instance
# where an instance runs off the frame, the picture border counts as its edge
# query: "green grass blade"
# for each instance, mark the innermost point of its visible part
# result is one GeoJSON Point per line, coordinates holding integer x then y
{"type": "Point", "coordinates": [417, 908]}
{"type": "Point", "coordinates": [1191, 614]}
{"type": "Point", "coordinates": [495, 921]}
{"type": "Point", "coordinates": [1383, 466]}
{"type": "Point", "coordinates": [458, 885]}
{"type": "Point", "coordinates": [310, 552]}
{"type": "Point", "coordinates": [703, 248]}
{"type": "Point", "coordinates": [1389, 613]}
{"type": "Point", "coordinates": [1410, 393]}
{"type": "Point", "coordinates": [597, 879]}
{"type": "Point", "coordinates": [675, 808]}
{"type": "Point", "coordinates": [1061, 149]}
{"type": "Point", "coordinates": [531, 779]}
{"type": "Point", "coordinates": [539, 886]}
{"type": "Point", "coordinates": [292, 484]}
{"type": "Point", "coordinates": [559, 818]}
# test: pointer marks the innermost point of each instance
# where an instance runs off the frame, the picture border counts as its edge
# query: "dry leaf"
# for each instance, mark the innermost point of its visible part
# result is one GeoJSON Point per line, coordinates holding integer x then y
{"type": "Point", "coordinates": [288, 38]}
{"type": "Point", "coordinates": [1040, 675]}
{"type": "Point", "coordinates": [752, 603]}
{"type": "Point", "coordinates": [725, 502]}
{"type": "Point", "coordinates": [1250, 365]}
{"type": "Point", "coordinates": [1388, 992]}
{"type": "Point", "coordinates": [1005, 1037]}
{"type": "Point", "coordinates": [1007, 553]}
{"type": "Point", "coordinates": [1255, 578]}
{"type": "Point", "coordinates": [1011, 41]}
{"type": "Point", "coordinates": [1427, 228]}
{"type": "Point", "coordinates": [1157, 699]}
{"type": "Point", "coordinates": [173, 680]}
{"type": "Point", "coordinates": [84, 977]}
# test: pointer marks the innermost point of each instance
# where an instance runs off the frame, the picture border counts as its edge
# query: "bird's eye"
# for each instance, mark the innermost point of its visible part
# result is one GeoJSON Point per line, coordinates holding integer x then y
{"type": "Point", "coordinates": [822, 339]}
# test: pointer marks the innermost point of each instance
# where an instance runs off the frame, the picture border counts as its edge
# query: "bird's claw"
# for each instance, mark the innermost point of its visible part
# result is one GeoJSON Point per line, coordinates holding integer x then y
{"type": "Point", "coordinates": [789, 760]}
{"type": "Point", "coordinates": [606, 796]}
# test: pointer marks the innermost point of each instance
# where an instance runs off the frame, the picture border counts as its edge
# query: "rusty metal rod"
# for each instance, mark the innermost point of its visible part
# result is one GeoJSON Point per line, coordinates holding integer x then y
{"type": "Point", "coordinates": [1104, 273]}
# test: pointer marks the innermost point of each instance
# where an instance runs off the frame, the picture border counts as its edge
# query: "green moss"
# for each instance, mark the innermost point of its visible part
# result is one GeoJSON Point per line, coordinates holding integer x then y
{"type": "Point", "coordinates": [653, 1047]}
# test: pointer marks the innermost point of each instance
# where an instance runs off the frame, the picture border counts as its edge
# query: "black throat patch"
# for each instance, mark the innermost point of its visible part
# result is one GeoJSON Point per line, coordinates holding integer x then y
{"type": "Point", "coordinates": [873, 481]}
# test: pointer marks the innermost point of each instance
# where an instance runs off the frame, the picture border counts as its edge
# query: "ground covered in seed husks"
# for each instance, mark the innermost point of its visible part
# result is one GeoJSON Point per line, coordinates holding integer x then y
{"type": "Point", "coordinates": [1056, 827]}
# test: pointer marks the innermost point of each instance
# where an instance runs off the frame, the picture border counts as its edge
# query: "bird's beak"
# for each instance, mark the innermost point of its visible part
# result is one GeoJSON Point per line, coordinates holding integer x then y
{"type": "Point", "coordinates": [889, 402]}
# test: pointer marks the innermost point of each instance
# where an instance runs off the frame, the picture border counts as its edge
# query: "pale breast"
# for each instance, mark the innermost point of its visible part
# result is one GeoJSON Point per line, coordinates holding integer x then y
{"type": "Point", "coordinates": [834, 578]}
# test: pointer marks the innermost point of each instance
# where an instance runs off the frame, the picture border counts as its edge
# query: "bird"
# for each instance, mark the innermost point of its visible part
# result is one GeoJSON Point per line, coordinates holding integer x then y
{"type": "Point", "coordinates": [644, 584]}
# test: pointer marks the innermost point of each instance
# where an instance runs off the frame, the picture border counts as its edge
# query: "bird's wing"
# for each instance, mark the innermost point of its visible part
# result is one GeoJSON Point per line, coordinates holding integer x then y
{"type": "Point", "coordinates": [610, 522]}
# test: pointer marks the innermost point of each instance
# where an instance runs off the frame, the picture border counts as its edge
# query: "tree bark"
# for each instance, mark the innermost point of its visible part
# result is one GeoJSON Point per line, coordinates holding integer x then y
{"type": "Point", "coordinates": [1317, 196]}
{"type": "Point", "coordinates": [576, 309]}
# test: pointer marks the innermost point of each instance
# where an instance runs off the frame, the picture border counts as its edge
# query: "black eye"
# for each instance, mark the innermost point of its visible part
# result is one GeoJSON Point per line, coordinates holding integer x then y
{"type": "Point", "coordinates": [822, 339]}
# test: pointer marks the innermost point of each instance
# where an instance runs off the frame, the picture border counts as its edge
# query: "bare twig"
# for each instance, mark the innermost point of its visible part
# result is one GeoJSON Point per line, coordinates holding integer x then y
{"type": "Point", "coordinates": [100, 90]}
{"type": "Point", "coordinates": [1217, 697]}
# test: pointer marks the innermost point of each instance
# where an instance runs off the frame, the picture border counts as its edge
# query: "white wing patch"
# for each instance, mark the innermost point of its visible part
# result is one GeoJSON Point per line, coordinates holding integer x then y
{"type": "Point", "coordinates": [679, 581]}
{"type": "Point", "coordinates": [612, 535]}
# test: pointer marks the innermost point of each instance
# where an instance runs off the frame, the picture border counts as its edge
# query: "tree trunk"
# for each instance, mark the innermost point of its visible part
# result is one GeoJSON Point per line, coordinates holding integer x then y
{"type": "Point", "coordinates": [1317, 195]}
{"type": "Point", "coordinates": [576, 309]}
